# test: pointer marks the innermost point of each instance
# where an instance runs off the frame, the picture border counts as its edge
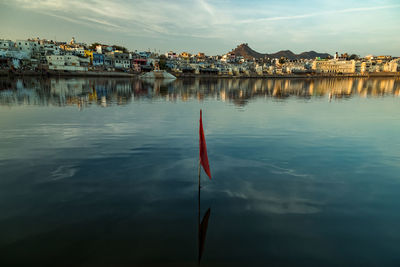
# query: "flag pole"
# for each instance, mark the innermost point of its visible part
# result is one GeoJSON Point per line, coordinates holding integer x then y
{"type": "Point", "coordinates": [203, 161]}
{"type": "Point", "coordinates": [198, 217]}
{"type": "Point", "coordinates": [199, 173]}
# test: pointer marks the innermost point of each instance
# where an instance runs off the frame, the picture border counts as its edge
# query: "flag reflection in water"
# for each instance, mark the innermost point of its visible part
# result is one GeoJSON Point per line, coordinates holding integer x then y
{"type": "Point", "coordinates": [203, 231]}
{"type": "Point", "coordinates": [203, 161]}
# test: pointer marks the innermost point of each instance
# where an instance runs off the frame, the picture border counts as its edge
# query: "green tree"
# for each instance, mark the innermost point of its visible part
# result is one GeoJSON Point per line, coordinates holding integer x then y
{"type": "Point", "coordinates": [162, 62]}
{"type": "Point", "coordinates": [353, 56]}
{"type": "Point", "coordinates": [121, 48]}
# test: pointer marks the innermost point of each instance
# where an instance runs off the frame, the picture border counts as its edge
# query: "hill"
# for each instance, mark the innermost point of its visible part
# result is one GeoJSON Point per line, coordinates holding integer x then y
{"type": "Point", "coordinates": [245, 51]}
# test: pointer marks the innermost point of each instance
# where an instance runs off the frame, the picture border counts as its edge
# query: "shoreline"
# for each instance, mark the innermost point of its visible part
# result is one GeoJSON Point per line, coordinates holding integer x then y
{"type": "Point", "coordinates": [291, 76]}
{"type": "Point", "coordinates": [8, 73]}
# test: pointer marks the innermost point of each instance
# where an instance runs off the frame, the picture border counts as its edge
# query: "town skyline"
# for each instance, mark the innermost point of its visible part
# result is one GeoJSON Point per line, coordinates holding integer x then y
{"type": "Point", "coordinates": [355, 27]}
{"type": "Point", "coordinates": [160, 52]}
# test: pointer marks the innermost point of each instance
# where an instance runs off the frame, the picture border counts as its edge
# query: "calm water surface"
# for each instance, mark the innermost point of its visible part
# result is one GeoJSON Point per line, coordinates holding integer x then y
{"type": "Point", "coordinates": [103, 172]}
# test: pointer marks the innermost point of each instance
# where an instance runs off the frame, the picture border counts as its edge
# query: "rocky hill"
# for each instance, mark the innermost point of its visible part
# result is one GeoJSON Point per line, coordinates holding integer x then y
{"type": "Point", "coordinates": [245, 51]}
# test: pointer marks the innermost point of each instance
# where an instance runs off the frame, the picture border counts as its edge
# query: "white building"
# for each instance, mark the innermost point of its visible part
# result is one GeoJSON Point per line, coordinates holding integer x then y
{"type": "Point", "coordinates": [122, 60]}
{"type": "Point", "coordinates": [171, 55]}
{"type": "Point", "coordinates": [79, 51]}
{"type": "Point", "coordinates": [29, 47]}
{"type": "Point", "coordinates": [6, 44]}
{"type": "Point", "coordinates": [392, 66]}
{"type": "Point", "coordinates": [99, 49]}
{"type": "Point", "coordinates": [366, 67]}
{"type": "Point", "coordinates": [334, 66]}
{"type": "Point", "coordinates": [294, 67]}
{"type": "Point", "coordinates": [258, 69]}
{"type": "Point", "coordinates": [14, 54]}
{"type": "Point", "coordinates": [71, 60]}
{"type": "Point", "coordinates": [51, 49]}
{"type": "Point", "coordinates": [65, 62]}
{"type": "Point", "coordinates": [55, 60]}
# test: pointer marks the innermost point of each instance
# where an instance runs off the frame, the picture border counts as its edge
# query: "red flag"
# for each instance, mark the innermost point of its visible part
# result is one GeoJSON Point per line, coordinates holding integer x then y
{"type": "Point", "coordinates": [203, 149]}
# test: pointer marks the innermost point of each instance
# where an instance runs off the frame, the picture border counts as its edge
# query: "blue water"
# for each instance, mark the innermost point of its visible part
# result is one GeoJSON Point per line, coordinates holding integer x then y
{"type": "Point", "coordinates": [103, 172]}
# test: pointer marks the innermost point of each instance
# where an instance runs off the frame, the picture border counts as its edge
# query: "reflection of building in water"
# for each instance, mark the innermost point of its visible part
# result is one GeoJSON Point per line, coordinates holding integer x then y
{"type": "Point", "coordinates": [100, 91]}
{"type": "Point", "coordinates": [61, 92]}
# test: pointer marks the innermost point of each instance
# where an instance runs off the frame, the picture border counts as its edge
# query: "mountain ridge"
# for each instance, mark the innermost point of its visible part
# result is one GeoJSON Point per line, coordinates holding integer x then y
{"type": "Point", "coordinates": [247, 53]}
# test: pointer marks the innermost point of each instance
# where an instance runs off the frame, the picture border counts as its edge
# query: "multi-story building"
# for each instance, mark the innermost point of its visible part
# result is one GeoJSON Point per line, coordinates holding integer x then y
{"type": "Point", "coordinates": [27, 46]}
{"type": "Point", "coordinates": [392, 66]}
{"type": "Point", "coordinates": [95, 59]}
{"type": "Point", "coordinates": [37, 50]}
{"type": "Point", "coordinates": [108, 62]}
{"type": "Point", "coordinates": [98, 60]}
{"type": "Point", "coordinates": [51, 49]}
{"type": "Point", "coordinates": [185, 55]}
{"type": "Point", "coordinates": [67, 62]}
{"type": "Point", "coordinates": [334, 66]}
{"type": "Point", "coordinates": [171, 55]}
{"type": "Point", "coordinates": [121, 60]}
{"type": "Point", "coordinates": [294, 67]}
{"type": "Point", "coordinates": [55, 60]}
{"type": "Point", "coordinates": [6, 44]}
{"type": "Point", "coordinates": [101, 49]}
{"type": "Point", "coordinates": [74, 48]}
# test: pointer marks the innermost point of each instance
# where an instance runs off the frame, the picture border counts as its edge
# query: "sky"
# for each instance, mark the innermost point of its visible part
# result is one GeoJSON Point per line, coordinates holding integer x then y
{"type": "Point", "coordinates": [361, 27]}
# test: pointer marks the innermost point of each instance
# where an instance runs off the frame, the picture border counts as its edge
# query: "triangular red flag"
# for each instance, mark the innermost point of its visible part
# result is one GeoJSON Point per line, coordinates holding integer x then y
{"type": "Point", "coordinates": [203, 149]}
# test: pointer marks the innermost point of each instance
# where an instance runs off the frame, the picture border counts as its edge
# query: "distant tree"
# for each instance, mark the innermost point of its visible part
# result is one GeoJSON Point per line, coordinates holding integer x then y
{"type": "Point", "coordinates": [93, 46]}
{"type": "Point", "coordinates": [162, 62]}
{"type": "Point", "coordinates": [354, 56]}
{"type": "Point", "coordinates": [121, 48]}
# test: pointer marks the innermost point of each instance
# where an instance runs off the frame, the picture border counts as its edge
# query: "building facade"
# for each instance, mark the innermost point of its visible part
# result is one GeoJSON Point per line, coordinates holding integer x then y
{"type": "Point", "coordinates": [122, 61]}
{"type": "Point", "coordinates": [334, 66]}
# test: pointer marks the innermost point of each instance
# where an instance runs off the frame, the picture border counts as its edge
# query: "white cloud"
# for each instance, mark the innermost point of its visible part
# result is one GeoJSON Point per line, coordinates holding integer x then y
{"type": "Point", "coordinates": [273, 24]}
{"type": "Point", "coordinates": [324, 13]}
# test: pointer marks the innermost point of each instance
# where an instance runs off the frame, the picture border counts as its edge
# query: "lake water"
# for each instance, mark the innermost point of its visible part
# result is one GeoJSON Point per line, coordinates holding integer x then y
{"type": "Point", "coordinates": [103, 172]}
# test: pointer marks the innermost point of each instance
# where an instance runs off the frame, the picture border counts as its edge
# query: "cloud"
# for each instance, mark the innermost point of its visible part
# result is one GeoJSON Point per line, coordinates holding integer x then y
{"type": "Point", "coordinates": [164, 17]}
{"type": "Point", "coordinates": [303, 16]}
{"type": "Point", "coordinates": [104, 23]}
{"type": "Point", "coordinates": [140, 18]}
{"type": "Point", "coordinates": [182, 22]}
